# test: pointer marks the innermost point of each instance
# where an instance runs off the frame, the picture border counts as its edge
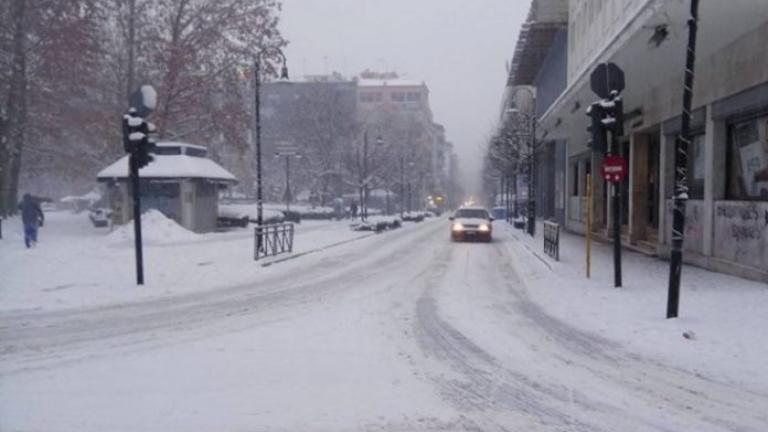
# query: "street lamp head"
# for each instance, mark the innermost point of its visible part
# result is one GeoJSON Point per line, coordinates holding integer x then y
{"type": "Point", "coordinates": [284, 73]}
{"type": "Point", "coordinates": [379, 140]}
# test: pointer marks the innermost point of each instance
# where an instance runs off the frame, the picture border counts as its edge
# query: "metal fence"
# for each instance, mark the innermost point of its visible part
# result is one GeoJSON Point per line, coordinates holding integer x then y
{"type": "Point", "coordinates": [272, 240]}
{"type": "Point", "coordinates": [552, 239]}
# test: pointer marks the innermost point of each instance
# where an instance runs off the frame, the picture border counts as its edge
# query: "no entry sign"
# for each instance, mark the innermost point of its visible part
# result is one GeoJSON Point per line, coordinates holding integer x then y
{"type": "Point", "coordinates": [614, 168]}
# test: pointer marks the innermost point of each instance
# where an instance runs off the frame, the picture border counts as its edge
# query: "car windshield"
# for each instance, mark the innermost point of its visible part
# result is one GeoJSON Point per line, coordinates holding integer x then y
{"type": "Point", "coordinates": [471, 214]}
{"type": "Point", "coordinates": [383, 215]}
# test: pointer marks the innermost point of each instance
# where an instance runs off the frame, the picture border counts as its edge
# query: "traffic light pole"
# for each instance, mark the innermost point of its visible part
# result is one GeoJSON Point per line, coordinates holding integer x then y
{"type": "Point", "coordinates": [616, 204]}
{"type": "Point", "coordinates": [681, 163]}
{"type": "Point", "coordinates": [134, 172]}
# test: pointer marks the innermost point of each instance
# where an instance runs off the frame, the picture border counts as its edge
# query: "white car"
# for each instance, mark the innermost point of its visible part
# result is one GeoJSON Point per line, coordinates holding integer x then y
{"type": "Point", "coordinates": [471, 223]}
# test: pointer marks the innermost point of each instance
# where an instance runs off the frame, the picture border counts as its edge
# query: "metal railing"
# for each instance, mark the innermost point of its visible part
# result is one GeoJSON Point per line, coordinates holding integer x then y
{"type": "Point", "coordinates": [552, 239]}
{"type": "Point", "coordinates": [271, 240]}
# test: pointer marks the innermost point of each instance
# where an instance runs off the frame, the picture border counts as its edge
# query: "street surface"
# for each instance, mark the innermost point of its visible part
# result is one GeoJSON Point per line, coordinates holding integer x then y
{"type": "Point", "coordinates": [403, 331]}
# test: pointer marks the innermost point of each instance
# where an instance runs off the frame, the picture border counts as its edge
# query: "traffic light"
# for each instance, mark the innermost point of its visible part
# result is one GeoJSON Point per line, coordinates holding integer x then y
{"type": "Point", "coordinates": [138, 138]}
{"type": "Point", "coordinates": [599, 142]}
{"type": "Point", "coordinates": [606, 115]}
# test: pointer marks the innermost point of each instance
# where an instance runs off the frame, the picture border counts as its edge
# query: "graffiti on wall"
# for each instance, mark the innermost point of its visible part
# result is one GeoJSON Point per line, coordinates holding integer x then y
{"type": "Point", "coordinates": [741, 232]}
{"type": "Point", "coordinates": [747, 221]}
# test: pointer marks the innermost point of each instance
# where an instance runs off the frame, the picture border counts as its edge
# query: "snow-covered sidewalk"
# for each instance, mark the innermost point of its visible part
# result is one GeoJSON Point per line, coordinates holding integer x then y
{"type": "Point", "coordinates": [76, 265]}
{"type": "Point", "coordinates": [723, 315]}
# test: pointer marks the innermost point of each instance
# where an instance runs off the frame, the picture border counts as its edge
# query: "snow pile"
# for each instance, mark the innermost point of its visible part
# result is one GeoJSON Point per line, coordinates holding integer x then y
{"type": "Point", "coordinates": [377, 223]}
{"type": "Point", "coordinates": [156, 228]}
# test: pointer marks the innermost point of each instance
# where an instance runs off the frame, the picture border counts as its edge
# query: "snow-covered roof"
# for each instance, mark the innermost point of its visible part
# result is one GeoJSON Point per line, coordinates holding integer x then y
{"type": "Point", "coordinates": [396, 82]}
{"type": "Point", "coordinates": [171, 166]}
{"type": "Point", "coordinates": [90, 196]}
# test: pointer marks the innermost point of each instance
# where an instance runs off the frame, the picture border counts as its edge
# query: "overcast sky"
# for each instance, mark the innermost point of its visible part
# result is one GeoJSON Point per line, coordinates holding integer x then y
{"type": "Point", "coordinates": [457, 47]}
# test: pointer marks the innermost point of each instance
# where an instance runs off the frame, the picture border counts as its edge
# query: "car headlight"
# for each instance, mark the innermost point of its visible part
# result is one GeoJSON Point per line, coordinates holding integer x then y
{"type": "Point", "coordinates": [458, 227]}
{"type": "Point", "coordinates": [484, 228]}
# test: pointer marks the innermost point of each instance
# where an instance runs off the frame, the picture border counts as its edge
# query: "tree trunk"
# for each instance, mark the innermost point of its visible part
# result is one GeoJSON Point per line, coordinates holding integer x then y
{"type": "Point", "coordinates": [17, 112]}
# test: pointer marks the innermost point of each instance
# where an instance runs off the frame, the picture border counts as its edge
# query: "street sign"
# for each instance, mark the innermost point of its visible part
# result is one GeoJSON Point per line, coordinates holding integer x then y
{"type": "Point", "coordinates": [614, 168]}
{"type": "Point", "coordinates": [285, 148]}
{"type": "Point", "coordinates": [606, 78]}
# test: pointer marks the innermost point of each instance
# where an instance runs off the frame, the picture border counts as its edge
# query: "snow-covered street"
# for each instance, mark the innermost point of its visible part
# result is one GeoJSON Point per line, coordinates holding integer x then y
{"type": "Point", "coordinates": [400, 331]}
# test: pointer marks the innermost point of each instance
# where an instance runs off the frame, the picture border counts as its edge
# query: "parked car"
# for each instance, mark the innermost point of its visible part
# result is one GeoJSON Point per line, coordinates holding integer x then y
{"type": "Point", "coordinates": [471, 223]}
{"type": "Point", "coordinates": [100, 216]}
{"type": "Point", "coordinates": [231, 219]}
{"type": "Point", "coordinates": [499, 213]}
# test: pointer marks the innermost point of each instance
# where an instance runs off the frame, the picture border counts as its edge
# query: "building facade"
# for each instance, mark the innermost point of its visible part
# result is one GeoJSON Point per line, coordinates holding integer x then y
{"type": "Point", "coordinates": [399, 109]}
{"type": "Point", "coordinates": [727, 211]}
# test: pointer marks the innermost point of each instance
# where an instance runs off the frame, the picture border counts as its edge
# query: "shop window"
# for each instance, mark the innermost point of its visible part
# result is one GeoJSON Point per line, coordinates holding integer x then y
{"type": "Point", "coordinates": [747, 160]}
{"type": "Point", "coordinates": [696, 168]}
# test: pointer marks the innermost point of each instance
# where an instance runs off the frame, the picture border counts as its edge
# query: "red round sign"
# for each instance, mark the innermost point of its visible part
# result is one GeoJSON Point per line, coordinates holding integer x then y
{"type": "Point", "coordinates": [614, 168]}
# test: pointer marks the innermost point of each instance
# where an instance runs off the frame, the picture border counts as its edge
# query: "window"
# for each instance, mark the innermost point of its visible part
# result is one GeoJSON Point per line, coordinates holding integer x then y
{"type": "Point", "coordinates": [747, 160]}
{"type": "Point", "coordinates": [370, 97]}
{"type": "Point", "coordinates": [397, 97]}
{"type": "Point", "coordinates": [195, 152]}
{"type": "Point", "coordinates": [470, 213]}
{"type": "Point", "coordinates": [167, 151]}
{"type": "Point", "coordinates": [696, 168]}
{"type": "Point", "coordinates": [576, 178]}
{"type": "Point", "coordinates": [414, 97]}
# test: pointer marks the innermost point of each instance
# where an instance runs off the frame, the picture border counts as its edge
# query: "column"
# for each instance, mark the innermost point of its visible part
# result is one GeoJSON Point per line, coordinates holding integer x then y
{"type": "Point", "coordinates": [714, 175]}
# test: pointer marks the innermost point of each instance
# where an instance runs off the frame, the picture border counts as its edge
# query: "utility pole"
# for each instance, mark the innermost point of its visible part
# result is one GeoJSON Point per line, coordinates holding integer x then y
{"type": "Point", "coordinates": [681, 175]}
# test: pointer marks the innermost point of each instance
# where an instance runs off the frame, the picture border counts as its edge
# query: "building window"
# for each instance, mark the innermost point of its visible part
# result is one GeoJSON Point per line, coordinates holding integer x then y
{"type": "Point", "coordinates": [696, 168]}
{"type": "Point", "coordinates": [397, 97]}
{"type": "Point", "coordinates": [747, 160]}
{"type": "Point", "coordinates": [414, 97]}
{"type": "Point", "coordinates": [370, 97]}
{"type": "Point", "coordinates": [576, 179]}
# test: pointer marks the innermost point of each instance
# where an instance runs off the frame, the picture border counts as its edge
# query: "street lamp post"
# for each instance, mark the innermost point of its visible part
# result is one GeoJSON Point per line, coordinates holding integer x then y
{"type": "Point", "coordinates": [531, 207]}
{"type": "Point", "coordinates": [402, 185]}
{"type": "Point", "coordinates": [288, 153]}
{"type": "Point", "coordinates": [257, 96]}
{"type": "Point", "coordinates": [364, 192]}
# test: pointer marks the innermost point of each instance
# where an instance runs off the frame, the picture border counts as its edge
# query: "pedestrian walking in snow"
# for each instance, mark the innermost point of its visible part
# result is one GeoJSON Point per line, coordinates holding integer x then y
{"type": "Point", "coordinates": [32, 217]}
{"type": "Point", "coordinates": [353, 208]}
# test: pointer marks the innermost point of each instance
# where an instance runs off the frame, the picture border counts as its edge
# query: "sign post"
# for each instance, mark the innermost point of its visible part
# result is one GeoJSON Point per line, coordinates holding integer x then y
{"type": "Point", "coordinates": [607, 81]}
{"type": "Point", "coordinates": [614, 170]}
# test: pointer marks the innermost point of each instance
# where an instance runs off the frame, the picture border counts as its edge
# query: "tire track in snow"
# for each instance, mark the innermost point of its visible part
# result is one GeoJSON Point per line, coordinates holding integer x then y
{"type": "Point", "coordinates": [483, 387]}
{"type": "Point", "coordinates": [30, 341]}
{"type": "Point", "coordinates": [672, 390]}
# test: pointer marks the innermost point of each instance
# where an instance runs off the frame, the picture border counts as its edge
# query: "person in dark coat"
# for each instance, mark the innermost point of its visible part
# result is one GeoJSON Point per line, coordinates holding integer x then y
{"type": "Point", "coordinates": [32, 217]}
{"type": "Point", "coordinates": [353, 208]}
